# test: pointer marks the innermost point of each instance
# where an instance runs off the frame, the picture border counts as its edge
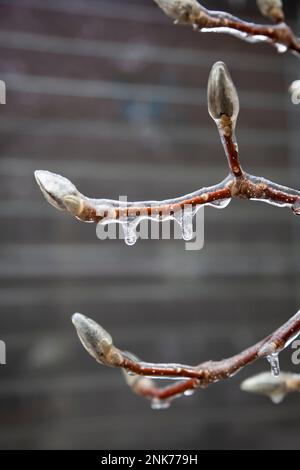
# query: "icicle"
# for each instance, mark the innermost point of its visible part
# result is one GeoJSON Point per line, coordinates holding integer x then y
{"type": "Point", "coordinates": [296, 206]}
{"type": "Point", "coordinates": [273, 359]}
{"type": "Point", "coordinates": [130, 235]}
{"type": "Point", "coordinates": [157, 404]}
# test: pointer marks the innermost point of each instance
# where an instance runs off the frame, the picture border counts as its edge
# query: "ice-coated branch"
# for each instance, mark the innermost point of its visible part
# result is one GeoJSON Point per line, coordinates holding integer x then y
{"type": "Point", "coordinates": [295, 92]}
{"type": "Point", "coordinates": [223, 106]}
{"type": "Point", "coordinates": [140, 375]}
{"type": "Point", "coordinates": [191, 12]}
{"type": "Point", "coordinates": [275, 388]}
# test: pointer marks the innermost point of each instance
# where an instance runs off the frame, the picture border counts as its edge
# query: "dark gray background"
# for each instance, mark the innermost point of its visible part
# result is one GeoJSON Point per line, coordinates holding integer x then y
{"type": "Point", "coordinates": [158, 300]}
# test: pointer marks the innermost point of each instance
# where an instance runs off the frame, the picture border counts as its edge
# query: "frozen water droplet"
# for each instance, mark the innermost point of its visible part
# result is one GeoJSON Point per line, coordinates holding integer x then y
{"type": "Point", "coordinates": [130, 235]}
{"type": "Point", "coordinates": [189, 393]}
{"type": "Point", "coordinates": [129, 372]}
{"type": "Point", "coordinates": [158, 404]}
{"type": "Point", "coordinates": [273, 359]}
{"type": "Point", "coordinates": [281, 48]}
{"type": "Point", "coordinates": [187, 226]}
{"type": "Point", "coordinates": [220, 204]}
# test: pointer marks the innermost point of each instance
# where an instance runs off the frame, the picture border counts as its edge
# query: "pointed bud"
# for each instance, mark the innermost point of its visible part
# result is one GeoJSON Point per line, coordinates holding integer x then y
{"type": "Point", "coordinates": [95, 339]}
{"type": "Point", "coordinates": [272, 9]}
{"type": "Point", "coordinates": [55, 188]}
{"type": "Point", "coordinates": [222, 96]}
{"type": "Point", "coordinates": [182, 11]}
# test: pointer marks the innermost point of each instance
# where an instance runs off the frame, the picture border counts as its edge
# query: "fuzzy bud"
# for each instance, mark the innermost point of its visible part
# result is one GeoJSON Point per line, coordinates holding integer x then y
{"type": "Point", "coordinates": [275, 388]}
{"type": "Point", "coordinates": [96, 340]}
{"type": "Point", "coordinates": [272, 9]}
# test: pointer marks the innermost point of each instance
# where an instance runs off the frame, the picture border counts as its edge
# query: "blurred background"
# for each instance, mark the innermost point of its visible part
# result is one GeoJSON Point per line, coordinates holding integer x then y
{"type": "Point", "coordinates": [111, 95]}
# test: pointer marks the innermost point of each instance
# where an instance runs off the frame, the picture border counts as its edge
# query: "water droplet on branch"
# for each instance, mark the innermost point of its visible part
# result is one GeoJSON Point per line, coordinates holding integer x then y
{"type": "Point", "coordinates": [189, 393]}
{"type": "Point", "coordinates": [220, 203]}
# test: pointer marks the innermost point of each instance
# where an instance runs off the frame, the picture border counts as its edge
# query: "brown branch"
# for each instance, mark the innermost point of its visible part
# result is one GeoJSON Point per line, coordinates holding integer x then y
{"type": "Point", "coordinates": [190, 12]}
{"type": "Point", "coordinates": [100, 345]}
{"type": "Point", "coordinates": [223, 106]}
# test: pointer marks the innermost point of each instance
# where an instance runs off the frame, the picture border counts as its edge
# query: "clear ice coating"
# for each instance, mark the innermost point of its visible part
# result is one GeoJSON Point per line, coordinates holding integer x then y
{"type": "Point", "coordinates": [273, 359]}
{"type": "Point", "coordinates": [277, 398]}
{"type": "Point", "coordinates": [157, 404]}
{"type": "Point", "coordinates": [237, 34]}
{"type": "Point", "coordinates": [156, 368]}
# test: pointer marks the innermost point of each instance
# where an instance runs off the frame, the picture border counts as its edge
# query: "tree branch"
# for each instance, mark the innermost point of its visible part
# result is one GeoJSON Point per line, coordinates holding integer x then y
{"type": "Point", "coordinates": [138, 374]}
{"type": "Point", "coordinates": [190, 12]}
{"type": "Point", "coordinates": [223, 106]}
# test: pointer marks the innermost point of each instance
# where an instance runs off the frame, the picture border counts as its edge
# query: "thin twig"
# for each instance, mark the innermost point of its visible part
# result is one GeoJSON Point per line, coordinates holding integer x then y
{"type": "Point", "coordinates": [100, 345]}
{"type": "Point", "coordinates": [279, 35]}
{"type": "Point", "coordinates": [276, 388]}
